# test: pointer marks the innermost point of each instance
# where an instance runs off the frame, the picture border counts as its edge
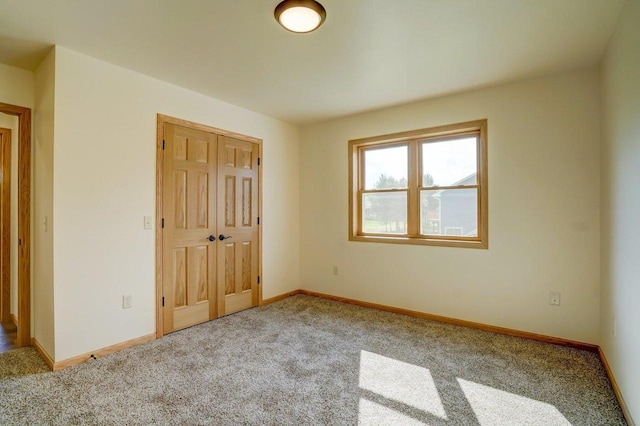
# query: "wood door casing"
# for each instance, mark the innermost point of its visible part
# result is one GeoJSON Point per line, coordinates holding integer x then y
{"type": "Point", "coordinates": [189, 208]}
{"type": "Point", "coordinates": [237, 220]}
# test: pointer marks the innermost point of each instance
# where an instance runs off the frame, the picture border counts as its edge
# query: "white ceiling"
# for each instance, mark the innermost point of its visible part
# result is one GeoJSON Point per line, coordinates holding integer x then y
{"type": "Point", "coordinates": [368, 54]}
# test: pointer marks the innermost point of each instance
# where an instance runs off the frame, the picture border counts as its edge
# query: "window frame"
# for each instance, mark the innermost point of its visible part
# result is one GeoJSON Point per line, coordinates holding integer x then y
{"type": "Point", "coordinates": [414, 140]}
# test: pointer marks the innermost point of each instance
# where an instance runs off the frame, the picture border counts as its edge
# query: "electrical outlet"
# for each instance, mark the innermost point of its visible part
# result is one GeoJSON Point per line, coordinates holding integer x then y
{"type": "Point", "coordinates": [335, 270]}
{"type": "Point", "coordinates": [554, 298]}
{"type": "Point", "coordinates": [127, 301]}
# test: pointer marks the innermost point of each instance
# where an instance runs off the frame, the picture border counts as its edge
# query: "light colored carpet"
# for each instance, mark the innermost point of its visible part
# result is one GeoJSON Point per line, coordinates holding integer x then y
{"type": "Point", "coordinates": [305, 360]}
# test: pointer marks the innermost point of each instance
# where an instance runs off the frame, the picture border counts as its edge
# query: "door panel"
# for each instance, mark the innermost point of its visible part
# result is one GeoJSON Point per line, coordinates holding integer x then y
{"type": "Point", "coordinates": [229, 268]}
{"type": "Point", "coordinates": [230, 201]}
{"type": "Point", "coordinates": [237, 219]}
{"type": "Point", "coordinates": [5, 226]}
{"type": "Point", "coordinates": [247, 272]}
{"type": "Point", "coordinates": [190, 184]}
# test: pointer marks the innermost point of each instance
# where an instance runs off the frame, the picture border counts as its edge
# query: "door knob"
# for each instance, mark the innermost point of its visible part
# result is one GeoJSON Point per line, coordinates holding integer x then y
{"type": "Point", "coordinates": [212, 238]}
{"type": "Point", "coordinates": [221, 237]}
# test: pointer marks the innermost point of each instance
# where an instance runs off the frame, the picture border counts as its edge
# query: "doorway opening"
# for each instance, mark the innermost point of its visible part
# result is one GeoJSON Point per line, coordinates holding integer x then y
{"type": "Point", "coordinates": [8, 332]}
{"type": "Point", "coordinates": [23, 337]}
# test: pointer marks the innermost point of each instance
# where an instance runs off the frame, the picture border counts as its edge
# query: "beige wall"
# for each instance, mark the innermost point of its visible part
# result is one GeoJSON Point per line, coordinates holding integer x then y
{"type": "Point", "coordinates": [43, 129]}
{"type": "Point", "coordinates": [104, 183]}
{"type": "Point", "coordinates": [543, 212]}
{"type": "Point", "coordinates": [16, 88]}
{"type": "Point", "coordinates": [620, 314]}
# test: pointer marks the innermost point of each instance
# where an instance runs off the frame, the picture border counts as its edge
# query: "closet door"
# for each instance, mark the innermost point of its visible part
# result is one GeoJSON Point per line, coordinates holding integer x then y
{"type": "Point", "coordinates": [237, 225]}
{"type": "Point", "coordinates": [189, 209]}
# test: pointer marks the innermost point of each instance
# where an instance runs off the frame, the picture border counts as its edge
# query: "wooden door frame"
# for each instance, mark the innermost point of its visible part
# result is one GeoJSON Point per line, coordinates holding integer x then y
{"type": "Point", "coordinates": [24, 220]}
{"type": "Point", "coordinates": [161, 120]}
{"type": "Point", "coordinates": [5, 225]}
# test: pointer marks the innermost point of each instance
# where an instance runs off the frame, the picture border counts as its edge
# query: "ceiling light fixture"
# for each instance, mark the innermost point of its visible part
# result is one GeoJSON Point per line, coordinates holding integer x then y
{"type": "Point", "coordinates": [300, 16]}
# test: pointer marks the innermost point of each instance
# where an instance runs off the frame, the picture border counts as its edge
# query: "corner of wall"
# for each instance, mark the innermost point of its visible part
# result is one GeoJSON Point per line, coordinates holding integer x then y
{"type": "Point", "coordinates": [620, 161]}
{"type": "Point", "coordinates": [42, 201]}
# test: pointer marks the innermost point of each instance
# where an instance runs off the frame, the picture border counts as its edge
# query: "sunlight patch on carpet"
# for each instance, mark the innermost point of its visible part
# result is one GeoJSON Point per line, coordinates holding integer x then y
{"type": "Point", "coordinates": [370, 413]}
{"type": "Point", "coordinates": [496, 407]}
{"type": "Point", "coordinates": [399, 381]}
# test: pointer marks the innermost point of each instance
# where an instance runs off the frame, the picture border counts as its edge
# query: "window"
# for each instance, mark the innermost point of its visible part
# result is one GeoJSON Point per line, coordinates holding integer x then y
{"type": "Point", "coordinates": [425, 186]}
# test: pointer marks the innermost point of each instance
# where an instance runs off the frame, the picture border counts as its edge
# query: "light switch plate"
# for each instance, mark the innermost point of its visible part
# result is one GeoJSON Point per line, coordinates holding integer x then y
{"type": "Point", "coordinates": [147, 222]}
{"type": "Point", "coordinates": [127, 301]}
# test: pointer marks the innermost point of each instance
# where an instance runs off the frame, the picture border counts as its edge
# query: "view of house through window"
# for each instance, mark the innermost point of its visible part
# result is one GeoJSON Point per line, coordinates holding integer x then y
{"type": "Point", "coordinates": [425, 187]}
{"type": "Point", "coordinates": [452, 164]}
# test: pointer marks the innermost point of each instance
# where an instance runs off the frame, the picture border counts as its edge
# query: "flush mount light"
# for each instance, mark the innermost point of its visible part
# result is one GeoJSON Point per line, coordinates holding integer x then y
{"type": "Point", "coordinates": [300, 16]}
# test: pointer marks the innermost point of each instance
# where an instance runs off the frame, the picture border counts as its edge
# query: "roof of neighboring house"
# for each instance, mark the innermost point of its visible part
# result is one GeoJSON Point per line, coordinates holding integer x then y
{"type": "Point", "coordinates": [468, 180]}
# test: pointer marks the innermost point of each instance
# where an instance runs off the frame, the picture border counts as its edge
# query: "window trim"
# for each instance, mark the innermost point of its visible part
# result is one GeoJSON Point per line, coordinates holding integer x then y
{"type": "Point", "coordinates": [416, 138]}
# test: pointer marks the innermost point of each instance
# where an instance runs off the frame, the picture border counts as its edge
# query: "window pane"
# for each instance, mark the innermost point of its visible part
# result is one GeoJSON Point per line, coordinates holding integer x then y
{"type": "Point", "coordinates": [384, 213]}
{"type": "Point", "coordinates": [449, 163]}
{"type": "Point", "coordinates": [386, 168]}
{"type": "Point", "coordinates": [450, 212]}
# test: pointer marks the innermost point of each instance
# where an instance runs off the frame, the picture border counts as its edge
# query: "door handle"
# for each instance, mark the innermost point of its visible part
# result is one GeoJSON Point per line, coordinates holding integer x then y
{"type": "Point", "coordinates": [221, 237]}
{"type": "Point", "coordinates": [211, 238]}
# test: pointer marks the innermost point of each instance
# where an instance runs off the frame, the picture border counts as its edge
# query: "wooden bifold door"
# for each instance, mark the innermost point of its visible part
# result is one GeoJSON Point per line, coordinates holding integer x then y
{"type": "Point", "coordinates": [209, 226]}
